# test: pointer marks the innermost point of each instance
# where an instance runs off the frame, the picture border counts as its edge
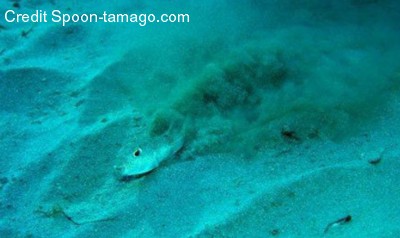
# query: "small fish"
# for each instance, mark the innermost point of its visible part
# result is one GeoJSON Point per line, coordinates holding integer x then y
{"type": "Point", "coordinates": [341, 221]}
{"type": "Point", "coordinates": [144, 160]}
{"type": "Point", "coordinates": [375, 161]}
{"type": "Point", "coordinates": [24, 34]}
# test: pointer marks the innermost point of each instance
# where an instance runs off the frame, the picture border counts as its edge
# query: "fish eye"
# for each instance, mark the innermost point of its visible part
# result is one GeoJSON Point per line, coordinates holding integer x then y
{"type": "Point", "coordinates": [137, 152]}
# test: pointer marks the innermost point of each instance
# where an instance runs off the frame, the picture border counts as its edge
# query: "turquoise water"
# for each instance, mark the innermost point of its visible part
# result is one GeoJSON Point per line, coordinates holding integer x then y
{"type": "Point", "coordinates": [249, 119]}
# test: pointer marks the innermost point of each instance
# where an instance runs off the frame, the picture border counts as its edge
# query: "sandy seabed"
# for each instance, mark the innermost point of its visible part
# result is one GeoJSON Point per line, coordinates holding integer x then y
{"type": "Point", "coordinates": [279, 123]}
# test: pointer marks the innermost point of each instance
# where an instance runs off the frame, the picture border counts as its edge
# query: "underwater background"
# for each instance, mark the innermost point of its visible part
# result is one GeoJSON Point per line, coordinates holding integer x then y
{"type": "Point", "coordinates": [255, 119]}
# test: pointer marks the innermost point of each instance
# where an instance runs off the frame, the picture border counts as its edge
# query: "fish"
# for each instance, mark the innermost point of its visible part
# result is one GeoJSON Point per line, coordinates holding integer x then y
{"type": "Point", "coordinates": [338, 222]}
{"type": "Point", "coordinates": [145, 159]}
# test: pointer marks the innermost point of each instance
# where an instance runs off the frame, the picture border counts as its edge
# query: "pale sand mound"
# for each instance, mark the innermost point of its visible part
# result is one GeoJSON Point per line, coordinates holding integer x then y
{"type": "Point", "coordinates": [303, 206]}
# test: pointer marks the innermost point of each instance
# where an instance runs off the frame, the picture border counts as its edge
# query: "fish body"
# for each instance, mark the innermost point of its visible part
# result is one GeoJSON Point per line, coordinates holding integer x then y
{"type": "Point", "coordinates": [151, 156]}
{"type": "Point", "coordinates": [338, 222]}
